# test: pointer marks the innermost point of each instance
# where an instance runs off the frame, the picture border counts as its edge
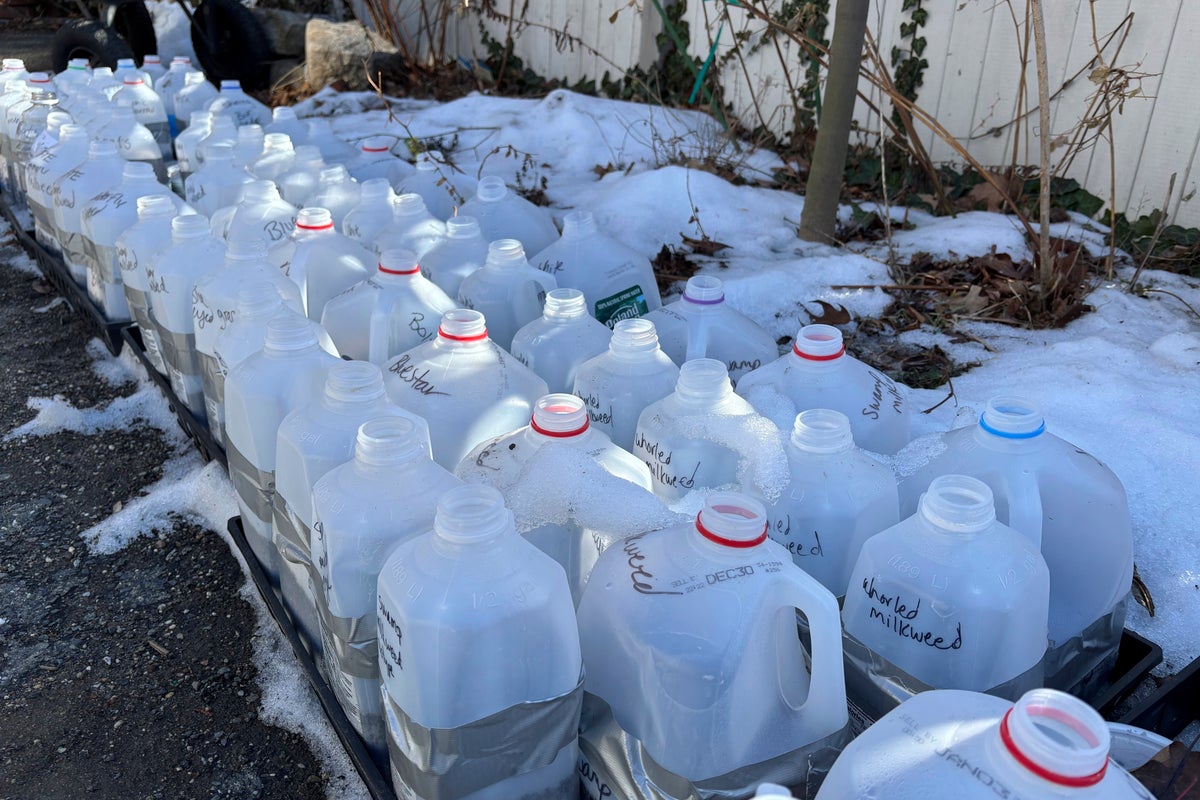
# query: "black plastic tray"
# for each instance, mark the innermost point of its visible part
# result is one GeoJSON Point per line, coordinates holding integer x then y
{"type": "Point", "coordinates": [377, 784]}
{"type": "Point", "coordinates": [1173, 707]}
{"type": "Point", "coordinates": [1136, 656]}
{"type": "Point", "coordinates": [196, 429]}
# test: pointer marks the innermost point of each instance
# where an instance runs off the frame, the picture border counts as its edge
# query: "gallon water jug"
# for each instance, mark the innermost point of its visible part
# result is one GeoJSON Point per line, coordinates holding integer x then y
{"type": "Point", "coordinates": [299, 182]}
{"type": "Point", "coordinates": [313, 439]}
{"type": "Point", "coordinates": [169, 85]}
{"type": "Point", "coordinates": [836, 498]}
{"type": "Point", "coordinates": [172, 278]}
{"type": "Point", "coordinates": [617, 281]}
{"type": "Point", "coordinates": [222, 130]}
{"type": "Point", "coordinates": [104, 218]}
{"type": "Point", "coordinates": [278, 155]}
{"type": "Point", "coordinates": [412, 227]}
{"type": "Point", "coordinates": [287, 373]}
{"type": "Point", "coordinates": [523, 465]}
{"type": "Point", "coordinates": [506, 290]}
{"type": "Point", "coordinates": [148, 109]}
{"type": "Point", "coordinates": [373, 214]}
{"type": "Point", "coordinates": [13, 69]}
{"type": "Point", "coordinates": [376, 160]}
{"type": "Point", "coordinates": [978, 747]}
{"type": "Point", "coordinates": [555, 344]}
{"type": "Point", "coordinates": [949, 598]}
{"type": "Point", "coordinates": [691, 647]}
{"type": "Point", "coordinates": [443, 187]}
{"type": "Point", "coordinates": [1067, 503]}
{"type": "Point", "coordinates": [361, 511]}
{"type": "Point", "coordinates": [449, 261]}
{"type": "Point", "coordinates": [214, 308]}
{"type": "Point", "coordinates": [617, 385]}
{"type": "Point", "coordinates": [127, 68]}
{"type": "Point", "coordinates": [195, 96]}
{"type": "Point", "coordinates": [134, 140]}
{"type": "Point", "coordinates": [453, 604]}
{"type": "Point", "coordinates": [249, 147]}
{"type": "Point", "coordinates": [30, 126]}
{"type": "Point", "coordinates": [819, 374]}
{"type": "Point", "coordinates": [334, 149]}
{"type": "Point", "coordinates": [321, 261]}
{"type": "Point", "coordinates": [218, 184]}
{"type": "Point", "coordinates": [187, 144]}
{"type": "Point", "coordinates": [14, 92]}
{"type": "Point", "coordinates": [45, 177]}
{"type": "Point", "coordinates": [465, 386]}
{"type": "Point", "coordinates": [244, 108]}
{"type": "Point", "coordinates": [336, 191]}
{"type": "Point", "coordinates": [503, 214]}
{"type": "Point", "coordinates": [394, 310]}
{"type": "Point", "coordinates": [138, 247]}
{"type": "Point", "coordinates": [263, 215]}
{"type": "Point", "coordinates": [40, 149]}
{"type": "Point", "coordinates": [99, 172]}
{"type": "Point", "coordinates": [284, 120]}
{"type": "Point", "coordinates": [703, 436]}
{"type": "Point", "coordinates": [153, 68]}
{"type": "Point", "coordinates": [701, 324]}
{"type": "Point", "coordinates": [104, 83]}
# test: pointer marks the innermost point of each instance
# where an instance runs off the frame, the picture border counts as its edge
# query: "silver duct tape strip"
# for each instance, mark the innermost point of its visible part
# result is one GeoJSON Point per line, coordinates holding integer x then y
{"type": "Point", "coordinates": [449, 763]}
{"type": "Point", "coordinates": [614, 764]}
{"type": "Point", "coordinates": [1079, 664]}
{"type": "Point", "coordinates": [71, 245]}
{"type": "Point", "coordinates": [107, 265]}
{"type": "Point", "coordinates": [354, 640]}
{"type": "Point", "coordinates": [213, 381]}
{"type": "Point", "coordinates": [875, 686]}
{"type": "Point", "coordinates": [254, 486]}
{"type": "Point", "coordinates": [291, 534]}
{"type": "Point", "coordinates": [179, 350]}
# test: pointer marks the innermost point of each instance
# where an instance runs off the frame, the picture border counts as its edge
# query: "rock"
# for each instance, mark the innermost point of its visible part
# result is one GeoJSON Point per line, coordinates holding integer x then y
{"type": "Point", "coordinates": [344, 51]}
{"type": "Point", "coordinates": [285, 29]}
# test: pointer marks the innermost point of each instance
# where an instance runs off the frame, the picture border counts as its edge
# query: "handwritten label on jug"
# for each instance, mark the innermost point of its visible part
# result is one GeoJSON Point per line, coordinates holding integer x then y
{"type": "Point", "coordinates": [658, 459]}
{"type": "Point", "coordinates": [386, 623]}
{"type": "Point", "coordinates": [597, 414]}
{"type": "Point", "coordinates": [641, 577]}
{"type": "Point", "coordinates": [885, 394]}
{"type": "Point", "coordinates": [406, 371]}
{"type": "Point", "coordinates": [592, 783]}
{"type": "Point", "coordinates": [902, 617]}
{"type": "Point", "coordinates": [781, 531]}
{"type": "Point", "coordinates": [417, 325]}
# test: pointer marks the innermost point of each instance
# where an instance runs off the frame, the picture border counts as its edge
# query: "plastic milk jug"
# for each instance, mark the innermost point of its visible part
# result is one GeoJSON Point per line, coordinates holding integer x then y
{"type": "Point", "coordinates": [361, 510]}
{"type": "Point", "coordinates": [412, 227]}
{"type": "Point", "coordinates": [321, 261]}
{"type": "Point", "coordinates": [477, 635]}
{"type": "Point", "coordinates": [99, 172]}
{"type": "Point", "coordinates": [336, 191]}
{"type": "Point", "coordinates": [262, 214]}
{"type": "Point", "coordinates": [506, 290]}
{"type": "Point", "coordinates": [277, 157]}
{"type": "Point", "coordinates": [617, 281]}
{"type": "Point", "coordinates": [284, 120]}
{"type": "Point", "coordinates": [334, 149]}
{"type": "Point", "coordinates": [977, 747]}
{"type": "Point", "coordinates": [218, 183]}
{"type": "Point", "coordinates": [443, 187]}
{"type": "Point", "coordinates": [465, 386]}
{"type": "Point", "coordinates": [375, 160]}
{"type": "Point", "coordinates": [448, 262]}
{"type": "Point", "coordinates": [373, 214]}
{"type": "Point", "coordinates": [702, 325]}
{"type": "Point", "coordinates": [394, 310]}
{"type": "Point", "coordinates": [503, 214]}
{"type": "Point", "coordinates": [819, 374]}
{"type": "Point", "coordinates": [245, 109]}
{"type": "Point", "coordinates": [148, 109]}
{"type": "Point", "coordinates": [689, 635]}
{"type": "Point", "coordinates": [1066, 502]}
{"type": "Point", "coordinates": [139, 246]}
{"type": "Point", "coordinates": [555, 344]}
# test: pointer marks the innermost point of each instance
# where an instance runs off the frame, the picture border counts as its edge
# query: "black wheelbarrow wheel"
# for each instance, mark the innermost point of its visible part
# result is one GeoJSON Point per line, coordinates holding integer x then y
{"type": "Point", "coordinates": [84, 38]}
{"type": "Point", "coordinates": [230, 43]}
{"type": "Point", "coordinates": [133, 23]}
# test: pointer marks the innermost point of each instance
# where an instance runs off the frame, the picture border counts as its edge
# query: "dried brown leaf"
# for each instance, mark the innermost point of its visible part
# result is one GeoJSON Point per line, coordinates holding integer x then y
{"type": "Point", "coordinates": [830, 314]}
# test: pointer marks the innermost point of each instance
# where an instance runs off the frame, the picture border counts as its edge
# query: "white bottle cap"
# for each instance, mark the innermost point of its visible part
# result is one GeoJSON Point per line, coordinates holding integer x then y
{"type": "Point", "coordinates": [472, 513]}
{"type": "Point", "coordinates": [74, 63]}
{"type": "Point", "coordinates": [563, 304]}
{"type": "Point", "coordinates": [1057, 737]}
{"type": "Point", "coordinates": [822, 431]}
{"type": "Point", "coordinates": [354, 382]}
{"type": "Point", "coordinates": [559, 416]}
{"type": "Point", "coordinates": [288, 332]}
{"type": "Point", "coordinates": [491, 189]}
{"type": "Point", "coordinates": [1012, 418]}
{"type": "Point", "coordinates": [731, 519]}
{"type": "Point", "coordinates": [388, 441]}
{"type": "Point", "coordinates": [958, 504]}
{"type": "Point", "coordinates": [462, 228]}
{"type": "Point", "coordinates": [819, 343]}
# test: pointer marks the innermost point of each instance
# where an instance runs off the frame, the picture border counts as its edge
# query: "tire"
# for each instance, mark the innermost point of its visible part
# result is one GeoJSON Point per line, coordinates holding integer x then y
{"type": "Point", "coordinates": [133, 23]}
{"type": "Point", "coordinates": [82, 38]}
{"type": "Point", "coordinates": [230, 43]}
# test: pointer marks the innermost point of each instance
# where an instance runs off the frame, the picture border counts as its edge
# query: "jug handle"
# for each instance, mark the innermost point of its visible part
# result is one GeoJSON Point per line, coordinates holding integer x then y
{"type": "Point", "coordinates": [378, 334]}
{"type": "Point", "coordinates": [1026, 518]}
{"type": "Point", "coordinates": [827, 687]}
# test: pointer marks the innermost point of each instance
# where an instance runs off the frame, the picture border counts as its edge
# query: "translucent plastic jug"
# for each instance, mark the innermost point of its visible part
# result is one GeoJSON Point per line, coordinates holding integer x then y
{"type": "Point", "coordinates": [152, 68]}
{"type": "Point", "coordinates": [978, 747]}
{"type": "Point", "coordinates": [214, 308]}
{"type": "Point", "coordinates": [244, 108]}
{"type": "Point", "coordinates": [337, 191]}
{"type": "Point", "coordinates": [29, 127]}
{"type": "Point", "coordinates": [195, 96]}
{"type": "Point", "coordinates": [99, 172]}
{"type": "Point", "coordinates": [617, 385]}
{"type": "Point", "coordinates": [453, 604]}
{"type": "Point", "coordinates": [555, 344]}
{"type": "Point", "coordinates": [284, 120]}
{"type": "Point", "coordinates": [443, 187]}
{"type": "Point", "coordinates": [465, 386]}
{"type": "Point", "coordinates": [506, 290]}
{"type": "Point", "coordinates": [701, 325]}
{"type": "Point", "coordinates": [836, 497]}
{"type": "Point", "coordinates": [169, 84]}
{"type": "Point", "coordinates": [187, 143]}
{"type": "Point", "coordinates": [373, 214]}
{"type": "Point", "coordinates": [412, 227]}
{"type": "Point", "coordinates": [287, 373]}
{"type": "Point", "coordinates": [313, 439]}
{"type": "Point", "coordinates": [1067, 503]}
{"type": "Point", "coordinates": [172, 278]}
{"type": "Point", "coordinates": [134, 140]}
{"type": "Point", "coordinates": [690, 638]}
{"type": "Point", "coordinates": [376, 160]}
{"type": "Point", "coordinates": [148, 109]}
{"type": "Point", "coordinates": [222, 130]}
{"type": "Point", "coordinates": [299, 182]}
{"type": "Point", "coordinates": [217, 184]}
{"type": "Point", "coordinates": [949, 598]}
{"type": "Point", "coordinates": [503, 214]}
{"type": "Point", "coordinates": [321, 261]}
{"type": "Point", "coordinates": [334, 149]}
{"type": "Point", "coordinates": [139, 246]}
{"type": "Point", "coordinates": [262, 214]}
{"type": "Point", "coordinates": [394, 310]}
{"type": "Point", "coordinates": [464, 250]}
{"type": "Point", "coordinates": [278, 156]}
{"type": "Point", "coordinates": [249, 147]}
{"type": "Point", "coordinates": [559, 420]}
{"type": "Point", "coordinates": [819, 374]}
{"type": "Point", "coordinates": [703, 436]}
{"type": "Point", "coordinates": [44, 177]}
{"type": "Point", "coordinates": [361, 511]}
{"type": "Point", "coordinates": [617, 281]}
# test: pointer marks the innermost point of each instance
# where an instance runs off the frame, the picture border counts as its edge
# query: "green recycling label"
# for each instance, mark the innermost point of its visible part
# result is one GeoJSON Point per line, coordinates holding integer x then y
{"type": "Point", "coordinates": [625, 304]}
